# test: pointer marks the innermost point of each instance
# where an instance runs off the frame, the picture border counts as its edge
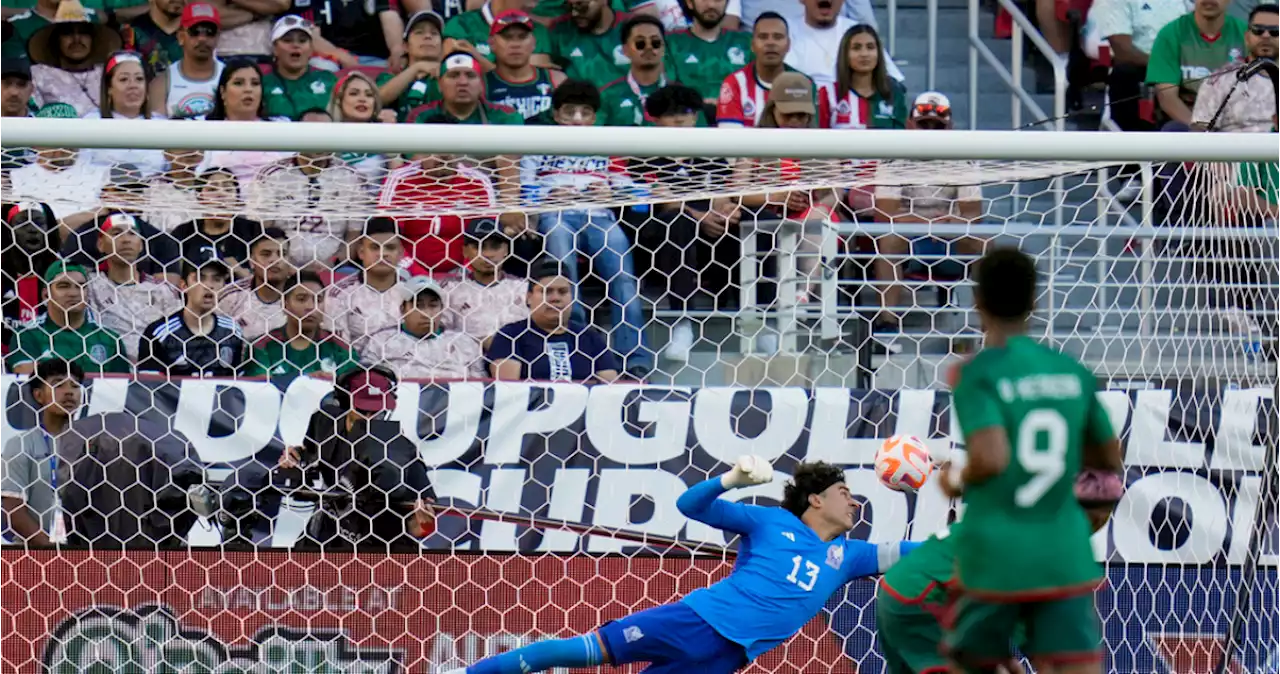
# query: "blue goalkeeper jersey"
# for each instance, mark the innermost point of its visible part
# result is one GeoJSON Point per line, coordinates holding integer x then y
{"type": "Point", "coordinates": [784, 573]}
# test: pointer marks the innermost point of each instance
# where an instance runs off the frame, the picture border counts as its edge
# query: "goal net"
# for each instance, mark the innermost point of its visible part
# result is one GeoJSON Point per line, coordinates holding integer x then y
{"type": "Point", "coordinates": [213, 504]}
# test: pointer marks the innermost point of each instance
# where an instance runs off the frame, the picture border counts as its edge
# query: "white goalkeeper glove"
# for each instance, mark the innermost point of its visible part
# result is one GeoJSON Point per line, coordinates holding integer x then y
{"type": "Point", "coordinates": [750, 470]}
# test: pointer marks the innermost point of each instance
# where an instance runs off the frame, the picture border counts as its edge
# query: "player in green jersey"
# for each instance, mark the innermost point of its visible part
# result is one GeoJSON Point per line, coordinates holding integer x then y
{"type": "Point", "coordinates": [514, 81]}
{"type": "Point", "coordinates": [915, 594]}
{"type": "Point", "coordinates": [302, 346]}
{"type": "Point", "coordinates": [1031, 421]}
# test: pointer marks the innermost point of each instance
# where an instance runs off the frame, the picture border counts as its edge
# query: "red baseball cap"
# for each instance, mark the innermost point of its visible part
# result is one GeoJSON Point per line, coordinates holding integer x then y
{"type": "Point", "coordinates": [200, 12]}
{"type": "Point", "coordinates": [511, 17]}
{"type": "Point", "coordinates": [371, 391]}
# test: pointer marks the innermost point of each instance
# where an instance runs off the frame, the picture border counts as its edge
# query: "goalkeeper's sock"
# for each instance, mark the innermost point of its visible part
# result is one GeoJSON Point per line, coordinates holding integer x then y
{"type": "Point", "coordinates": [581, 651]}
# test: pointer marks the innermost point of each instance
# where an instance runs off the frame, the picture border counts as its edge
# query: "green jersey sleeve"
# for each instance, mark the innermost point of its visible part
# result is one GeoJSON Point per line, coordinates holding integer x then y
{"type": "Point", "coordinates": [976, 402]}
{"type": "Point", "coordinates": [117, 362]}
{"type": "Point", "coordinates": [1164, 66]}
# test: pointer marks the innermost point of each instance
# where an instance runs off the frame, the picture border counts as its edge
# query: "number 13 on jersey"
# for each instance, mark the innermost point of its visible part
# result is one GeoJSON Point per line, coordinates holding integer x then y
{"type": "Point", "coordinates": [808, 577]}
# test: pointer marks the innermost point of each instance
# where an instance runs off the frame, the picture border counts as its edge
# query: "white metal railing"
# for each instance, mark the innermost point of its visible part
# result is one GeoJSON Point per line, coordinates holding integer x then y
{"type": "Point", "coordinates": [1012, 75]}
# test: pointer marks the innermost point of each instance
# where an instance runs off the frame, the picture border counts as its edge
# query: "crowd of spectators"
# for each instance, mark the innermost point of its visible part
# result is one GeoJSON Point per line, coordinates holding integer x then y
{"type": "Point", "coordinates": [248, 263]}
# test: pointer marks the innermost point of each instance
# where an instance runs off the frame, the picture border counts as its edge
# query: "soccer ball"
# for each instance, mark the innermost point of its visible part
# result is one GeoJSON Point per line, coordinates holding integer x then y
{"type": "Point", "coordinates": [903, 463]}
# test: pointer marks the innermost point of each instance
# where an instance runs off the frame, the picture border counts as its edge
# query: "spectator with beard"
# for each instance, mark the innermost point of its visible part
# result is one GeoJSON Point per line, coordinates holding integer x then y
{"type": "Point", "coordinates": [369, 301]}
{"type": "Point", "coordinates": [355, 100]}
{"type": "Point", "coordinates": [154, 35]}
{"type": "Point", "coordinates": [255, 302]}
{"type": "Point", "coordinates": [587, 43]}
{"type": "Point", "coordinates": [124, 96]}
{"type": "Point", "coordinates": [302, 346]}
{"type": "Point", "coordinates": [418, 83]}
{"type": "Point", "coordinates": [196, 341]}
{"type": "Point", "coordinates": [189, 86]}
{"type": "Point", "coordinates": [550, 346]}
{"type": "Point", "coordinates": [66, 329]}
{"type": "Point", "coordinates": [743, 93]}
{"type": "Point", "coordinates": [315, 198]}
{"type": "Point", "coordinates": [480, 297]}
{"type": "Point", "coordinates": [563, 181]}
{"type": "Point", "coordinates": [171, 197]}
{"type": "Point", "coordinates": [68, 56]}
{"type": "Point", "coordinates": [16, 91]}
{"type": "Point", "coordinates": [707, 52]}
{"type": "Point", "coordinates": [15, 98]}
{"type": "Point", "coordinates": [418, 346]}
{"type": "Point", "coordinates": [645, 44]}
{"type": "Point", "coordinates": [425, 197]}
{"type": "Point", "coordinates": [515, 80]}
{"type": "Point", "coordinates": [121, 196]}
{"type": "Point", "coordinates": [25, 24]}
{"type": "Point", "coordinates": [125, 298]}
{"type": "Point", "coordinates": [815, 41]}
{"type": "Point", "coordinates": [221, 232]}
{"type": "Point", "coordinates": [462, 95]}
{"type": "Point", "coordinates": [61, 178]}
{"type": "Point", "coordinates": [30, 241]}
{"type": "Point", "coordinates": [1251, 106]}
{"type": "Point", "coordinates": [471, 31]}
{"type": "Point", "coordinates": [294, 85]}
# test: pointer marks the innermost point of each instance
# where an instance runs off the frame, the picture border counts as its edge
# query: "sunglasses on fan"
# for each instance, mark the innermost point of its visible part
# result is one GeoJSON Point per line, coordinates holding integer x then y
{"type": "Point", "coordinates": [654, 43]}
{"type": "Point", "coordinates": [931, 109]}
{"type": "Point", "coordinates": [1261, 29]}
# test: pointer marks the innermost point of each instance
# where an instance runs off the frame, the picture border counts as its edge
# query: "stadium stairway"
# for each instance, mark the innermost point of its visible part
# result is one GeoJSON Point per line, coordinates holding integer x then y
{"type": "Point", "coordinates": [1083, 266]}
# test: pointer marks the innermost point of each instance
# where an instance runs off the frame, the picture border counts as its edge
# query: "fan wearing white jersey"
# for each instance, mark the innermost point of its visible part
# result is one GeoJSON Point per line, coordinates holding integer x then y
{"type": "Point", "coordinates": [255, 302]}
{"type": "Point", "coordinates": [419, 347]}
{"type": "Point", "coordinates": [367, 302]}
{"type": "Point", "coordinates": [481, 298]}
{"type": "Point", "coordinates": [313, 197]}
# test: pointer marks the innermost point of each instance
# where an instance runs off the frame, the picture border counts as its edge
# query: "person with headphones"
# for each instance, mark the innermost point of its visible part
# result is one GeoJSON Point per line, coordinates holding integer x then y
{"type": "Point", "coordinates": [372, 492]}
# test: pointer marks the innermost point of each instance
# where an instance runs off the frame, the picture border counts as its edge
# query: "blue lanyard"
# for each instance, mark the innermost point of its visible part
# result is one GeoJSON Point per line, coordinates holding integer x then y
{"type": "Point", "coordinates": [53, 460]}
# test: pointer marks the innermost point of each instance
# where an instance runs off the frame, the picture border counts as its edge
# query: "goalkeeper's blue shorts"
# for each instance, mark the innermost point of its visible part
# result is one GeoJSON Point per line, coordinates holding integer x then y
{"type": "Point", "coordinates": [674, 639]}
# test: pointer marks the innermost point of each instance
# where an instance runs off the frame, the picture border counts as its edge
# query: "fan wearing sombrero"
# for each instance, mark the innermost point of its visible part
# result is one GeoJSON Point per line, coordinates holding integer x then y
{"type": "Point", "coordinates": [68, 56]}
{"type": "Point", "coordinates": [20, 27]}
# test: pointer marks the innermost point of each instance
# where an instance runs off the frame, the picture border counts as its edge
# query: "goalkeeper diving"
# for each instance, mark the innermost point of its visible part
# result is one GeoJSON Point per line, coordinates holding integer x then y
{"type": "Point", "coordinates": [791, 559]}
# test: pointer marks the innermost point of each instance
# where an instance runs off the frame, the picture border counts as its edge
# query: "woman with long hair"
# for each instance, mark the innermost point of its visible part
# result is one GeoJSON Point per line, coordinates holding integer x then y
{"type": "Point", "coordinates": [124, 96]}
{"type": "Point", "coordinates": [239, 98]}
{"type": "Point", "coordinates": [355, 99]}
{"type": "Point", "coordinates": [863, 96]}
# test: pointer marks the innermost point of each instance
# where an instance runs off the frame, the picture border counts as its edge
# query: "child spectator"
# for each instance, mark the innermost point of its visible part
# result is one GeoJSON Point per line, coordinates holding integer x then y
{"type": "Point", "coordinates": [196, 341]}
{"type": "Point", "coordinates": [419, 347]}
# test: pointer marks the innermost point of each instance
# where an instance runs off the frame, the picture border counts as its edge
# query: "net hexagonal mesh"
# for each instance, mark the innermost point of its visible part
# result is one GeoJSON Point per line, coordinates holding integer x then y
{"type": "Point", "coordinates": [292, 359]}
